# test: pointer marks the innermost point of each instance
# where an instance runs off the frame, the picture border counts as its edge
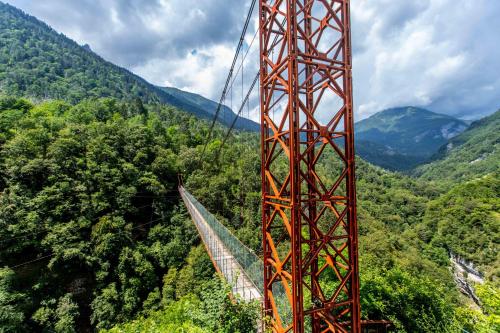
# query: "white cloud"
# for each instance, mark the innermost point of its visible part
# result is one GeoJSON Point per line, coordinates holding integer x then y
{"type": "Point", "coordinates": [202, 71]}
{"type": "Point", "coordinates": [435, 54]}
{"type": "Point", "coordinates": [439, 54]}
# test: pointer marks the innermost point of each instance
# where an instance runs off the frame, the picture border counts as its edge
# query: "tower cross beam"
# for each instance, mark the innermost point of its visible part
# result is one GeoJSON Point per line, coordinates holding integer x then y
{"type": "Point", "coordinates": [307, 150]}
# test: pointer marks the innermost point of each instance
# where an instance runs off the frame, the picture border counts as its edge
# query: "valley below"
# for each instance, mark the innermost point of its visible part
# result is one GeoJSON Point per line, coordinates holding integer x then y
{"type": "Point", "coordinates": [94, 236]}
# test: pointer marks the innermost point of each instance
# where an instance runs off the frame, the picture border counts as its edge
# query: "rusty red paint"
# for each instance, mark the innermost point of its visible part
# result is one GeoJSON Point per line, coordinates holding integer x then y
{"type": "Point", "coordinates": [309, 223]}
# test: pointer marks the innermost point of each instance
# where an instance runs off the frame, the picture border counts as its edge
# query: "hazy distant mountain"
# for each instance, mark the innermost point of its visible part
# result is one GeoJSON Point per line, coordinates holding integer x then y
{"type": "Point", "coordinates": [401, 138]}
{"type": "Point", "coordinates": [38, 62]}
{"type": "Point", "coordinates": [195, 101]}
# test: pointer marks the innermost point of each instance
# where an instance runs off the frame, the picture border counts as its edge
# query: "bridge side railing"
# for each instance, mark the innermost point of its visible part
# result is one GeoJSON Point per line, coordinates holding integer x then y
{"type": "Point", "coordinates": [246, 258]}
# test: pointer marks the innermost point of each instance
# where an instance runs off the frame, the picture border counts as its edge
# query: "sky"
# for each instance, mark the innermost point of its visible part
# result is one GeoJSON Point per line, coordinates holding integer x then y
{"type": "Point", "coordinates": [443, 55]}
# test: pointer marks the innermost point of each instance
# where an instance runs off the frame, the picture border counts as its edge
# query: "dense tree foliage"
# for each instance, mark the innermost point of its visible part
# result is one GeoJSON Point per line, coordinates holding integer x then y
{"type": "Point", "coordinates": [211, 310]}
{"type": "Point", "coordinates": [89, 203]}
{"type": "Point", "coordinates": [89, 213]}
{"type": "Point", "coordinates": [475, 205]}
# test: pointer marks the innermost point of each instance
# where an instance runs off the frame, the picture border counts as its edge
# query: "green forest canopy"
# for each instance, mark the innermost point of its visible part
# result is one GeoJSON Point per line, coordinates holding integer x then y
{"type": "Point", "coordinates": [89, 193]}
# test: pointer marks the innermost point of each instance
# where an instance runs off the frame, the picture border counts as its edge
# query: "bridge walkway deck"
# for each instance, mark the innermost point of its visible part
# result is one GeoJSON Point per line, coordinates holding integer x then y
{"type": "Point", "coordinates": [224, 261]}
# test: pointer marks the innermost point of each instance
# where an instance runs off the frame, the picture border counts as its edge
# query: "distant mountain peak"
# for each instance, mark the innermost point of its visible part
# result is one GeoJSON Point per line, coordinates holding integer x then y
{"type": "Point", "coordinates": [409, 111]}
{"type": "Point", "coordinates": [410, 131]}
{"type": "Point", "coordinates": [87, 47]}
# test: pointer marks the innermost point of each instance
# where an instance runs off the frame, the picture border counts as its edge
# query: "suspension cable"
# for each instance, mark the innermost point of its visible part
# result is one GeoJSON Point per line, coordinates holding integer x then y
{"type": "Point", "coordinates": [239, 112]}
{"type": "Point", "coordinates": [228, 80]}
{"type": "Point", "coordinates": [245, 56]}
{"type": "Point", "coordinates": [274, 43]}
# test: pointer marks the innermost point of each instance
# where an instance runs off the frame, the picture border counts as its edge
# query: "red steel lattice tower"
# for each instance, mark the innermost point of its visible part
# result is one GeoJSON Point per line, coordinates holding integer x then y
{"type": "Point", "coordinates": [311, 281]}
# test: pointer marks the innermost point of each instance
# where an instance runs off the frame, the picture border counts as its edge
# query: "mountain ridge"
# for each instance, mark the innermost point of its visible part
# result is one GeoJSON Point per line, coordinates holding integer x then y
{"type": "Point", "coordinates": [226, 115]}
{"type": "Point", "coordinates": [37, 61]}
{"type": "Point", "coordinates": [471, 154]}
{"type": "Point", "coordinates": [407, 136]}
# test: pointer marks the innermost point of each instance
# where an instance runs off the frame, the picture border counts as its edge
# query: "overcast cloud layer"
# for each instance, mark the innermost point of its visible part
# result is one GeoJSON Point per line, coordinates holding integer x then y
{"type": "Point", "coordinates": [440, 54]}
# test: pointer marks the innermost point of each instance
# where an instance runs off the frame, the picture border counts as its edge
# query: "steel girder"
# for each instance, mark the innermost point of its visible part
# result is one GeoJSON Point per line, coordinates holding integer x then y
{"type": "Point", "coordinates": [309, 225]}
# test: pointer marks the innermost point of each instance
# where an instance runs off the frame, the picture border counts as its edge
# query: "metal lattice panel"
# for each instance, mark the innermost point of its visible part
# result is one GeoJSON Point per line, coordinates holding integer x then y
{"type": "Point", "coordinates": [308, 181]}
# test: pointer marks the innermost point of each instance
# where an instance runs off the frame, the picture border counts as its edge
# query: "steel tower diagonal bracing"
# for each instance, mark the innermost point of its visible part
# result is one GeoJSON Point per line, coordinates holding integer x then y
{"type": "Point", "coordinates": [311, 281]}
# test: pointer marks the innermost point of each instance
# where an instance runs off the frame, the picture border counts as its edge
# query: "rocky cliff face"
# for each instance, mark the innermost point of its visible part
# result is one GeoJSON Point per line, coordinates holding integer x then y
{"type": "Point", "coordinates": [466, 275]}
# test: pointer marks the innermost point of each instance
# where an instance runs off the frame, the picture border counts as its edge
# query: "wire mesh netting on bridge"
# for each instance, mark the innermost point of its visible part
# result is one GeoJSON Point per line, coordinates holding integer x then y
{"type": "Point", "coordinates": [223, 246]}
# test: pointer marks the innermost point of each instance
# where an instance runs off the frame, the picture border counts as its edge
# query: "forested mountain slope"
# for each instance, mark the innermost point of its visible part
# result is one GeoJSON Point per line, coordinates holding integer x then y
{"type": "Point", "coordinates": [404, 137]}
{"type": "Point", "coordinates": [386, 157]}
{"type": "Point", "coordinates": [93, 219]}
{"type": "Point", "coordinates": [91, 230]}
{"type": "Point", "coordinates": [226, 115]}
{"type": "Point", "coordinates": [472, 154]}
{"type": "Point", "coordinates": [466, 222]}
{"type": "Point", "coordinates": [38, 62]}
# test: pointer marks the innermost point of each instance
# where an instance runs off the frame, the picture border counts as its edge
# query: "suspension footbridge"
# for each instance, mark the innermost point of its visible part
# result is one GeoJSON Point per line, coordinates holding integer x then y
{"type": "Point", "coordinates": [234, 261]}
{"type": "Point", "coordinates": [239, 266]}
